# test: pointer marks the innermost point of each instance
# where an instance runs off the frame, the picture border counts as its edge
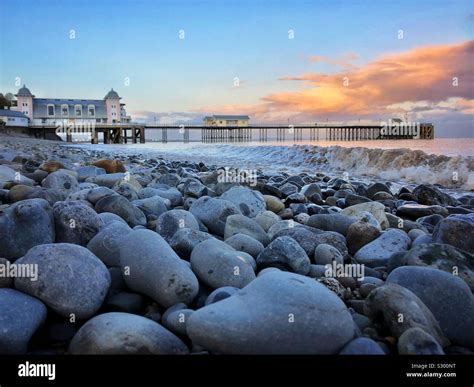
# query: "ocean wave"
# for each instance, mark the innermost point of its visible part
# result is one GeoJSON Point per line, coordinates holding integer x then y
{"type": "Point", "coordinates": [413, 166]}
{"type": "Point", "coordinates": [406, 165]}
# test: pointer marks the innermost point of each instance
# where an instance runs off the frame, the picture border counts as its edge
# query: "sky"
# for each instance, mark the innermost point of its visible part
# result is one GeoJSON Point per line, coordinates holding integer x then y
{"type": "Point", "coordinates": [277, 61]}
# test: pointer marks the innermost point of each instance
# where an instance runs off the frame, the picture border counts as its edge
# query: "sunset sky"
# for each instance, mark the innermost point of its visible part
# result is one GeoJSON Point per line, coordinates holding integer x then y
{"type": "Point", "coordinates": [277, 61]}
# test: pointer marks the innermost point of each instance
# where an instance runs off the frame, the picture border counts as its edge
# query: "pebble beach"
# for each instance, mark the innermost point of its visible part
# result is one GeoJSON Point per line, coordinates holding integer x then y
{"type": "Point", "coordinates": [103, 252]}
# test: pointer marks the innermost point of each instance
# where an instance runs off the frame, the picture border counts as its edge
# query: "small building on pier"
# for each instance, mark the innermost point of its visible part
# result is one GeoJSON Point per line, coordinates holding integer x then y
{"type": "Point", "coordinates": [226, 120]}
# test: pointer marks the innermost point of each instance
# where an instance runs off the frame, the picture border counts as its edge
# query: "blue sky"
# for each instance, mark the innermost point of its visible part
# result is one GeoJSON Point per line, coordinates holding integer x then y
{"type": "Point", "coordinates": [223, 40]}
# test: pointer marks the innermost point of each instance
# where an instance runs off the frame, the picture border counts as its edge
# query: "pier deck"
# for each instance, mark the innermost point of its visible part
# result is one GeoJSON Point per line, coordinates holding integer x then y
{"type": "Point", "coordinates": [135, 133]}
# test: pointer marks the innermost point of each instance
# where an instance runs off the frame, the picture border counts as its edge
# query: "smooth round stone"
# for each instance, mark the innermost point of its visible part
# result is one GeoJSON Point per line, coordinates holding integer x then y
{"type": "Point", "coordinates": [249, 202]}
{"type": "Point", "coordinates": [310, 190]}
{"type": "Point", "coordinates": [185, 239]}
{"type": "Point", "coordinates": [267, 219]}
{"type": "Point", "coordinates": [177, 320]}
{"type": "Point", "coordinates": [415, 233]}
{"type": "Point", "coordinates": [331, 222]}
{"type": "Point", "coordinates": [288, 188]}
{"type": "Point", "coordinates": [286, 254]}
{"type": "Point", "coordinates": [353, 199]}
{"type": "Point", "coordinates": [20, 192]}
{"type": "Point", "coordinates": [106, 243]}
{"type": "Point", "coordinates": [126, 189]}
{"type": "Point", "coordinates": [95, 194]}
{"type": "Point", "coordinates": [438, 256]}
{"type": "Point", "coordinates": [120, 206]}
{"type": "Point", "coordinates": [327, 254]}
{"type": "Point", "coordinates": [79, 195]}
{"type": "Point", "coordinates": [281, 225]}
{"type": "Point", "coordinates": [360, 234]}
{"type": "Point", "coordinates": [23, 225]}
{"type": "Point", "coordinates": [172, 194]}
{"type": "Point", "coordinates": [75, 222]}
{"type": "Point", "coordinates": [217, 264]}
{"type": "Point", "coordinates": [171, 221]}
{"type": "Point", "coordinates": [71, 280]}
{"type": "Point", "coordinates": [171, 179]}
{"type": "Point", "coordinates": [21, 315]}
{"type": "Point", "coordinates": [456, 230]}
{"type": "Point", "coordinates": [213, 213]}
{"type": "Point", "coordinates": [61, 180]}
{"type": "Point", "coordinates": [301, 218]}
{"type": "Point", "coordinates": [273, 204]}
{"type": "Point", "coordinates": [429, 222]}
{"type": "Point", "coordinates": [416, 341]}
{"type": "Point", "coordinates": [110, 166]}
{"type": "Point", "coordinates": [151, 267]}
{"type": "Point", "coordinates": [8, 174]}
{"type": "Point", "coordinates": [446, 295]}
{"type": "Point", "coordinates": [374, 188]}
{"type": "Point", "coordinates": [89, 171]}
{"type": "Point", "coordinates": [5, 281]}
{"type": "Point", "coordinates": [380, 196]}
{"type": "Point", "coordinates": [240, 224]}
{"type": "Point", "coordinates": [379, 251]}
{"type": "Point", "coordinates": [109, 179]}
{"type": "Point", "coordinates": [155, 205]}
{"type": "Point", "coordinates": [277, 313]}
{"type": "Point", "coordinates": [430, 195]}
{"type": "Point", "coordinates": [415, 211]}
{"type": "Point", "coordinates": [375, 208]}
{"type": "Point", "coordinates": [309, 238]}
{"type": "Point", "coordinates": [193, 188]}
{"type": "Point", "coordinates": [245, 243]}
{"type": "Point", "coordinates": [221, 294]}
{"type": "Point", "coordinates": [267, 270]}
{"type": "Point", "coordinates": [286, 214]}
{"type": "Point", "coordinates": [399, 310]}
{"type": "Point", "coordinates": [362, 346]}
{"type": "Point", "coordinates": [108, 218]}
{"type": "Point", "coordinates": [124, 334]}
{"type": "Point", "coordinates": [422, 239]}
{"type": "Point", "coordinates": [88, 186]}
{"type": "Point", "coordinates": [50, 195]}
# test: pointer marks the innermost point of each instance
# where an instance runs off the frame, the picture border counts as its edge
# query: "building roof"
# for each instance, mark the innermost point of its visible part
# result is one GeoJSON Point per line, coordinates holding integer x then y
{"type": "Point", "coordinates": [230, 117]}
{"type": "Point", "coordinates": [11, 113]}
{"type": "Point", "coordinates": [24, 92]}
{"type": "Point", "coordinates": [112, 94]}
{"type": "Point", "coordinates": [40, 107]}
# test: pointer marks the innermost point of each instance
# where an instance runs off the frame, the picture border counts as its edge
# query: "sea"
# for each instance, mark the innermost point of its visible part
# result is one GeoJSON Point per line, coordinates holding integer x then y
{"type": "Point", "coordinates": [446, 162]}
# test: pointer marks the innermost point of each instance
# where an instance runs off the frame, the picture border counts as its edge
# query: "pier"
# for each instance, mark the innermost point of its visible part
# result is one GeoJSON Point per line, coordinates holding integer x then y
{"type": "Point", "coordinates": [136, 133]}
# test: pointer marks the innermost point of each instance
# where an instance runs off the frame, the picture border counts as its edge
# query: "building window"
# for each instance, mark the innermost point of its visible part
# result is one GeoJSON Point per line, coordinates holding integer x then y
{"type": "Point", "coordinates": [50, 110]}
{"type": "Point", "coordinates": [64, 110]}
{"type": "Point", "coordinates": [78, 109]}
{"type": "Point", "coordinates": [91, 110]}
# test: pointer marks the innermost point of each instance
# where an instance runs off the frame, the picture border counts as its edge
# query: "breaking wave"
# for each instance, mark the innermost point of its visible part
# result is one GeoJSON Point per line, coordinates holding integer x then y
{"type": "Point", "coordinates": [404, 165]}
